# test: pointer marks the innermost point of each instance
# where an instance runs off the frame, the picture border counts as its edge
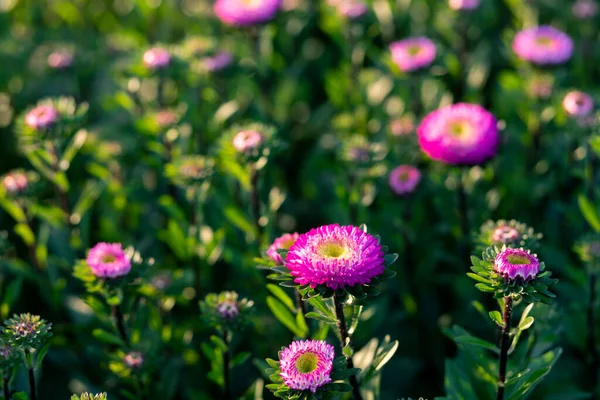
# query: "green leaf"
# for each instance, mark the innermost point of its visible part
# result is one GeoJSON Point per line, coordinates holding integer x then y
{"type": "Point", "coordinates": [320, 305]}
{"type": "Point", "coordinates": [496, 317]}
{"type": "Point", "coordinates": [589, 212]}
{"type": "Point", "coordinates": [526, 323]}
{"type": "Point", "coordinates": [14, 210]}
{"type": "Point", "coordinates": [484, 288]}
{"type": "Point", "coordinates": [20, 396]}
{"type": "Point", "coordinates": [106, 337]}
{"type": "Point", "coordinates": [284, 316]}
{"type": "Point", "coordinates": [25, 233]}
{"type": "Point", "coordinates": [321, 317]}
{"type": "Point", "coordinates": [478, 278]}
{"type": "Point", "coordinates": [240, 358]}
{"type": "Point", "coordinates": [41, 354]}
{"type": "Point", "coordinates": [281, 296]}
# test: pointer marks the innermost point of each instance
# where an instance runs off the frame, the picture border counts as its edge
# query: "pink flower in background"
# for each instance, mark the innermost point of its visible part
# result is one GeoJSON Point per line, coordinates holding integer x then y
{"type": "Point", "coordinates": [516, 263]}
{"type": "Point", "coordinates": [60, 59]}
{"type": "Point", "coordinates": [543, 45]}
{"type": "Point", "coordinates": [245, 141]}
{"type": "Point", "coordinates": [462, 133]}
{"type": "Point", "coordinates": [108, 260]}
{"type": "Point", "coordinates": [306, 364]}
{"type": "Point", "coordinates": [335, 256]}
{"type": "Point", "coordinates": [578, 104]}
{"type": "Point", "coordinates": [283, 242]}
{"type": "Point", "coordinates": [156, 58]}
{"type": "Point", "coordinates": [352, 9]}
{"type": "Point", "coordinates": [41, 117]}
{"type": "Point", "coordinates": [217, 62]}
{"type": "Point", "coordinates": [134, 359]}
{"type": "Point", "coordinates": [402, 126]}
{"type": "Point", "coordinates": [585, 9]}
{"type": "Point", "coordinates": [15, 182]}
{"type": "Point", "coordinates": [404, 179]}
{"type": "Point", "coordinates": [246, 12]}
{"type": "Point", "coordinates": [505, 234]}
{"type": "Point", "coordinates": [165, 118]}
{"type": "Point", "coordinates": [463, 4]}
{"type": "Point", "coordinates": [413, 53]}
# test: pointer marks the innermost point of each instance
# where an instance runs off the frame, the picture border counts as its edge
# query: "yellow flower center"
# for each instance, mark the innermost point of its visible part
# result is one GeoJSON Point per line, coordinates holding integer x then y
{"type": "Point", "coordinates": [307, 362]}
{"type": "Point", "coordinates": [332, 250]}
{"type": "Point", "coordinates": [108, 258]}
{"type": "Point", "coordinates": [413, 50]}
{"type": "Point", "coordinates": [544, 41]}
{"type": "Point", "coordinates": [517, 260]}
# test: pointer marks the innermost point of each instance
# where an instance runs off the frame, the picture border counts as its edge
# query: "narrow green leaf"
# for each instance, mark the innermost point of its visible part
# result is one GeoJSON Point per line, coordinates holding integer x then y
{"type": "Point", "coordinates": [284, 316]}
{"type": "Point", "coordinates": [589, 212]}
{"type": "Point", "coordinates": [280, 294]}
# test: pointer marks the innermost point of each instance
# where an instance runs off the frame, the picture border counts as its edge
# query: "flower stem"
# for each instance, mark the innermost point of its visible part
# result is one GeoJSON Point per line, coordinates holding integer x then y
{"type": "Point", "coordinates": [226, 372]}
{"type": "Point", "coordinates": [591, 334]}
{"type": "Point", "coordinates": [345, 338]}
{"type": "Point", "coordinates": [504, 346]}
{"type": "Point", "coordinates": [32, 388]}
{"type": "Point", "coordinates": [6, 387]}
{"type": "Point", "coordinates": [120, 323]}
{"type": "Point", "coordinates": [196, 223]}
{"type": "Point", "coordinates": [463, 213]}
{"type": "Point", "coordinates": [255, 199]}
{"type": "Point", "coordinates": [415, 89]}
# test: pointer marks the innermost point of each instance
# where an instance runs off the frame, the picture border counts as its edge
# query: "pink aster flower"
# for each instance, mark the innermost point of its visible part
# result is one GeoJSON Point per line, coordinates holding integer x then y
{"type": "Point", "coordinates": [463, 4]}
{"type": "Point", "coordinates": [404, 179]}
{"type": "Point", "coordinates": [585, 9]}
{"type": "Point", "coordinates": [413, 53]}
{"type": "Point", "coordinates": [60, 59]}
{"type": "Point", "coordinates": [165, 118]}
{"type": "Point", "coordinates": [246, 12]}
{"type": "Point", "coordinates": [15, 182]}
{"type": "Point", "coordinates": [335, 256]}
{"type": "Point", "coordinates": [245, 141]}
{"type": "Point", "coordinates": [543, 45]}
{"type": "Point", "coordinates": [283, 242]}
{"type": "Point", "coordinates": [108, 260]}
{"type": "Point", "coordinates": [505, 234]}
{"type": "Point", "coordinates": [41, 117]}
{"type": "Point", "coordinates": [156, 58]}
{"type": "Point", "coordinates": [462, 133]}
{"type": "Point", "coordinates": [217, 62]}
{"type": "Point", "coordinates": [134, 359]}
{"type": "Point", "coordinates": [306, 364]}
{"type": "Point", "coordinates": [578, 104]}
{"type": "Point", "coordinates": [352, 9]}
{"type": "Point", "coordinates": [516, 263]}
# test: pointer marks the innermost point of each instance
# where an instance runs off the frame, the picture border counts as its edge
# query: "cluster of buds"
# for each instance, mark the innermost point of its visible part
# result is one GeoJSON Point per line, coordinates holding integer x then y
{"type": "Point", "coordinates": [26, 332]}
{"type": "Point", "coordinates": [250, 143]}
{"type": "Point", "coordinates": [226, 310]}
{"type": "Point", "coordinates": [186, 171]}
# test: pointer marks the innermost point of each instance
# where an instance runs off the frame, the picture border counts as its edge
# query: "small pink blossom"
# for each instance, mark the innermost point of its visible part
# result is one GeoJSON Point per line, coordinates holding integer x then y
{"type": "Point", "coordinates": [404, 179]}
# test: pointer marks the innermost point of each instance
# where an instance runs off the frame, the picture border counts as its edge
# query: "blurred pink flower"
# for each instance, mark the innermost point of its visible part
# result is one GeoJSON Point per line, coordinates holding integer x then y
{"type": "Point", "coordinates": [41, 117]}
{"type": "Point", "coordinates": [413, 53]}
{"type": "Point", "coordinates": [246, 12]}
{"type": "Point", "coordinates": [462, 133]}
{"type": "Point", "coordinates": [245, 141]}
{"type": "Point", "coordinates": [134, 359]}
{"type": "Point", "coordinates": [60, 59]}
{"type": "Point", "coordinates": [402, 126]}
{"type": "Point", "coordinates": [15, 182]}
{"type": "Point", "coordinates": [543, 45]}
{"type": "Point", "coordinates": [463, 4]}
{"type": "Point", "coordinates": [578, 104]}
{"type": "Point", "coordinates": [585, 9]}
{"type": "Point", "coordinates": [156, 58]}
{"type": "Point", "coordinates": [108, 260]}
{"type": "Point", "coordinates": [352, 9]}
{"type": "Point", "coordinates": [283, 242]}
{"type": "Point", "coordinates": [217, 62]}
{"type": "Point", "coordinates": [404, 179]}
{"type": "Point", "coordinates": [505, 234]}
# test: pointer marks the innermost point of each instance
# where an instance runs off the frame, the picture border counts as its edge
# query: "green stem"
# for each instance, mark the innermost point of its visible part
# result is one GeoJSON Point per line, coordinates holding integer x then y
{"type": "Point", "coordinates": [31, 375]}
{"type": "Point", "coordinates": [504, 345]}
{"type": "Point", "coordinates": [345, 338]}
{"type": "Point", "coordinates": [120, 324]}
{"type": "Point", "coordinates": [255, 199]}
{"type": "Point", "coordinates": [591, 333]}
{"type": "Point", "coordinates": [6, 386]}
{"type": "Point", "coordinates": [226, 371]}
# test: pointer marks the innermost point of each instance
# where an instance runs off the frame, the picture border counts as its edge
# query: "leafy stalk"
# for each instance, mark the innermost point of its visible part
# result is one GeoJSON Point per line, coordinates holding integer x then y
{"type": "Point", "coordinates": [345, 338]}
{"type": "Point", "coordinates": [226, 370]}
{"type": "Point", "coordinates": [504, 345]}
{"type": "Point", "coordinates": [120, 323]}
{"type": "Point", "coordinates": [31, 375]}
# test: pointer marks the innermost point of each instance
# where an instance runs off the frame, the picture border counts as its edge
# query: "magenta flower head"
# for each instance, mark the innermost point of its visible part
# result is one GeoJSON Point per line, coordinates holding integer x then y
{"type": "Point", "coordinates": [543, 45]}
{"type": "Point", "coordinates": [462, 133]}
{"type": "Point", "coordinates": [41, 117]}
{"type": "Point", "coordinates": [413, 53]}
{"type": "Point", "coordinates": [108, 260]}
{"type": "Point", "coordinates": [283, 242]}
{"type": "Point", "coordinates": [60, 59]}
{"type": "Point", "coordinates": [585, 9]}
{"type": "Point", "coordinates": [578, 104]}
{"type": "Point", "coordinates": [246, 141]}
{"type": "Point", "coordinates": [513, 264]}
{"type": "Point", "coordinates": [306, 364]}
{"type": "Point", "coordinates": [156, 58]}
{"type": "Point", "coordinates": [352, 9]}
{"type": "Point", "coordinates": [404, 179]}
{"type": "Point", "coordinates": [335, 256]}
{"type": "Point", "coordinates": [463, 4]}
{"type": "Point", "coordinates": [246, 12]}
